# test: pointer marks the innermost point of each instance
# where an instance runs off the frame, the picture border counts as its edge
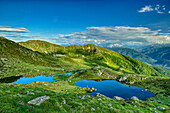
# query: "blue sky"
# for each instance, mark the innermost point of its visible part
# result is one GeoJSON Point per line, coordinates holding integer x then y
{"type": "Point", "coordinates": [57, 20]}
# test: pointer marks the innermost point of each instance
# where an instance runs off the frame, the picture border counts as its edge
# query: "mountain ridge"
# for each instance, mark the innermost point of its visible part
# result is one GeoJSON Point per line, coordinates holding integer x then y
{"type": "Point", "coordinates": [94, 54]}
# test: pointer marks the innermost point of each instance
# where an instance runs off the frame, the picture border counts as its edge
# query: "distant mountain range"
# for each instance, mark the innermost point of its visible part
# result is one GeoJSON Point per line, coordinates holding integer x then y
{"type": "Point", "coordinates": [161, 53]}
{"type": "Point", "coordinates": [155, 55]}
{"type": "Point", "coordinates": [134, 54]}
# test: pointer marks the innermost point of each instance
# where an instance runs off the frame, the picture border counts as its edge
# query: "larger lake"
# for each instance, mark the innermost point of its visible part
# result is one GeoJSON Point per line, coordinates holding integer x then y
{"type": "Point", "coordinates": [111, 88]}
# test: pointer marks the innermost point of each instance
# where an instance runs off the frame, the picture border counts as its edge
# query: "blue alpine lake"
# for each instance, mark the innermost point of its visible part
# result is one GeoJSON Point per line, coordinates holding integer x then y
{"type": "Point", "coordinates": [41, 78]}
{"type": "Point", "coordinates": [111, 88]}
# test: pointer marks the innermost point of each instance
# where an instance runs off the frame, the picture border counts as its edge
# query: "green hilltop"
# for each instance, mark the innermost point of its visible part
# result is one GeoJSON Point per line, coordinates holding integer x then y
{"type": "Point", "coordinates": [41, 46]}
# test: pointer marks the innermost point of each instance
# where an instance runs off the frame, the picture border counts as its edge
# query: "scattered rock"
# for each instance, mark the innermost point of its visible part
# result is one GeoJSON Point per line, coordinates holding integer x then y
{"type": "Point", "coordinates": [150, 109]}
{"type": "Point", "coordinates": [30, 93]}
{"type": "Point", "coordinates": [64, 101]}
{"type": "Point", "coordinates": [135, 98]}
{"type": "Point", "coordinates": [83, 97]}
{"type": "Point", "coordinates": [38, 100]}
{"type": "Point", "coordinates": [150, 101]}
{"type": "Point", "coordinates": [118, 98]}
{"type": "Point", "coordinates": [99, 99]}
{"type": "Point", "coordinates": [79, 96]}
{"type": "Point", "coordinates": [99, 95]}
{"type": "Point", "coordinates": [111, 108]}
{"type": "Point", "coordinates": [92, 109]}
{"type": "Point", "coordinates": [4, 59]}
{"type": "Point", "coordinates": [123, 79]}
{"type": "Point", "coordinates": [11, 84]}
{"type": "Point", "coordinates": [161, 108]}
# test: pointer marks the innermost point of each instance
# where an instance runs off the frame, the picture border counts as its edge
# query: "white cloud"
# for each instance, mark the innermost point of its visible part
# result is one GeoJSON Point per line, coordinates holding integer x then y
{"type": "Point", "coordinates": [146, 9]}
{"type": "Point", "coordinates": [19, 37]}
{"type": "Point", "coordinates": [157, 8]}
{"type": "Point", "coordinates": [9, 29]}
{"type": "Point", "coordinates": [116, 36]}
{"type": "Point", "coordinates": [114, 45]}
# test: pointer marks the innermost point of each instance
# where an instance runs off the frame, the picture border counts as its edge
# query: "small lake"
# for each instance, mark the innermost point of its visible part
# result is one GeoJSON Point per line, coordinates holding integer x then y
{"type": "Point", "coordinates": [41, 78]}
{"type": "Point", "coordinates": [111, 88]}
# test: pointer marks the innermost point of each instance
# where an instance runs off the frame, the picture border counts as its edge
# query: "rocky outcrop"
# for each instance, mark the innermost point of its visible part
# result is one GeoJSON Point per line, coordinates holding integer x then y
{"type": "Point", "coordinates": [161, 108]}
{"type": "Point", "coordinates": [38, 100]}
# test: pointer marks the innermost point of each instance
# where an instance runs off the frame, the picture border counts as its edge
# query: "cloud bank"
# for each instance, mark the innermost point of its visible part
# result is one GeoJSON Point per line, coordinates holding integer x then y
{"type": "Point", "coordinates": [115, 36]}
{"type": "Point", "coordinates": [118, 36]}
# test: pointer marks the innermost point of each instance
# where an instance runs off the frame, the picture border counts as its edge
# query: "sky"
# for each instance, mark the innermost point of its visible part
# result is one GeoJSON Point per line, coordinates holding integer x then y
{"type": "Point", "coordinates": [107, 23]}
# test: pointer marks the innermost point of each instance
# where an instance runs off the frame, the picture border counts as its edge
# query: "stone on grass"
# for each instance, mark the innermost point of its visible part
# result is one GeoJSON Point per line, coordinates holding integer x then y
{"type": "Point", "coordinates": [92, 109]}
{"type": "Point", "coordinates": [118, 98]}
{"type": "Point", "coordinates": [168, 104]}
{"type": "Point", "coordinates": [38, 100]}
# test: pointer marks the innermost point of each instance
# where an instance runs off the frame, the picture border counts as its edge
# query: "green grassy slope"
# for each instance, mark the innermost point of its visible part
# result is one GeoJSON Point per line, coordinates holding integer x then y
{"type": "Point", "coordinates": [18, 60]}
{"type": "Point", "coordinates": [101, 56]}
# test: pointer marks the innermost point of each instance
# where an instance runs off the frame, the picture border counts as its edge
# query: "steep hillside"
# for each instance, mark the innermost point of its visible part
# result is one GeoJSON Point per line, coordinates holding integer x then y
{"type": "Point", "coordinates": [12, 50]}
{"type": "Point", "coordinates": [101, 56]}
{"type": "Point", "coordinates": [134, 54]}
{"type": "Point", "coordinates": [18, 60]}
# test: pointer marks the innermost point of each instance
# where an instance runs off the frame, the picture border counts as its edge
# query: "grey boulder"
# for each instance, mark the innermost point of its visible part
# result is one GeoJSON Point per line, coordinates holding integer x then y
{"type": "Point", "coordinates": [118, 98]}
